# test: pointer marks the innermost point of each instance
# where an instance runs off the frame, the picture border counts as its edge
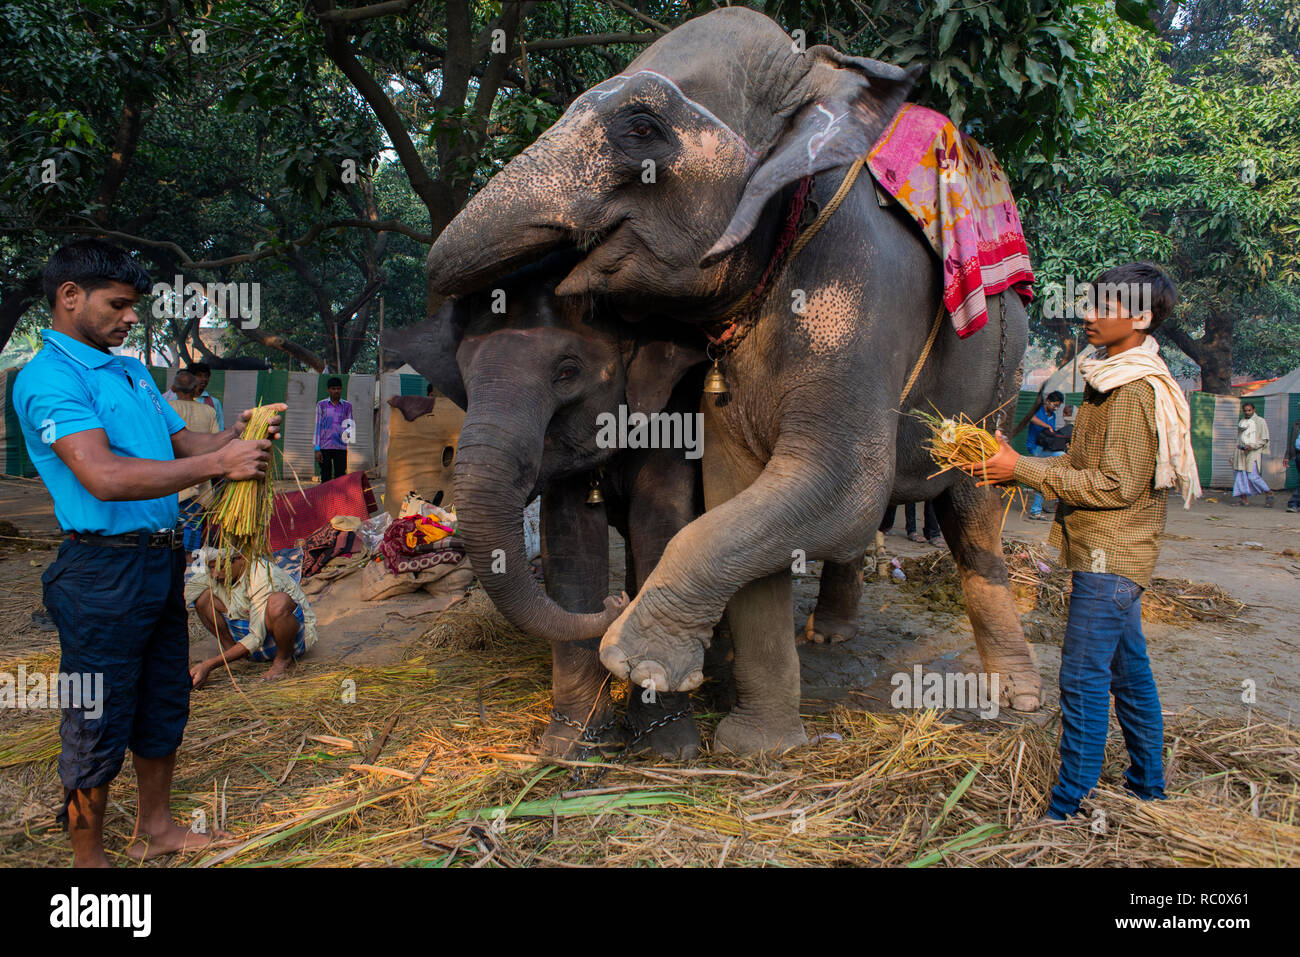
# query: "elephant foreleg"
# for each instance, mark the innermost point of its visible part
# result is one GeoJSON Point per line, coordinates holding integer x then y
{"type": "Point", "coordinates": [835, 618]}
{"type": "Point", "coordinates": [798, 502]}
{"type": "Point", "coordinates": [766, 717]}
{"type": "Point", "coordinates": [971, 519]}
{"type": "Point", "coordinates": [575, 561]}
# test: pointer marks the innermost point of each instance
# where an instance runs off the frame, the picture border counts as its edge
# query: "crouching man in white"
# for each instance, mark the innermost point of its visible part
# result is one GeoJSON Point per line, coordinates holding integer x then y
{"type": "Point", "coordinates": [256, 610]}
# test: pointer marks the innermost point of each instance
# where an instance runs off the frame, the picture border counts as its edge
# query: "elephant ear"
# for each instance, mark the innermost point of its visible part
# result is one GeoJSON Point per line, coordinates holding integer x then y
{"type": "Point", "coordinates": [850, 102]}
{"type": "Point", "coordinates": [655, 369]}
{"type": "Point", "coordinates": [430, 348]}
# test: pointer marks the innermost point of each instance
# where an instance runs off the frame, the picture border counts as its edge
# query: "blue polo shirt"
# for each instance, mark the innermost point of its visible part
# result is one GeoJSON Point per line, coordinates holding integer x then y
{"type": "Point", "coordinates": [71, 387]}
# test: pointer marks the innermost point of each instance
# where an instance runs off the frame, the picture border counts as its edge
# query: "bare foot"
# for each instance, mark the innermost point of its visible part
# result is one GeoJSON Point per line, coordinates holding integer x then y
{"type": "Point", "coordinates": [279, 669]}
{"type": "Point", "coordinates": [145, 847]}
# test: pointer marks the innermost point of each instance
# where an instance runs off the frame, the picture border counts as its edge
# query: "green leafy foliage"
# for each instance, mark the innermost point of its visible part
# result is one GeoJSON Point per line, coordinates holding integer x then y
{"type": "Point", "coordinates": [1197, 168]}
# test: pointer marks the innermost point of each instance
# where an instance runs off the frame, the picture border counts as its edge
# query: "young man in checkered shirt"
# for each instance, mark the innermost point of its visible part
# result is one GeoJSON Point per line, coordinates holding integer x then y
{"type": "Point", "coordinates": [1131, 442]}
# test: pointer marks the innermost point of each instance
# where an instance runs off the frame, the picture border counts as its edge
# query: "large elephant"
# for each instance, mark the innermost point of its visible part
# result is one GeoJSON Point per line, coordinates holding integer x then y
{"type": "Point", "coordinates": [673, 178]}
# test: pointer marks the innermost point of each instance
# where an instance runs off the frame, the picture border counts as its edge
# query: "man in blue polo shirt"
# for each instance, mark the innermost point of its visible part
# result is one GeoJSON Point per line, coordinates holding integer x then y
{"type": "Point", "coordinates": [113, 455]}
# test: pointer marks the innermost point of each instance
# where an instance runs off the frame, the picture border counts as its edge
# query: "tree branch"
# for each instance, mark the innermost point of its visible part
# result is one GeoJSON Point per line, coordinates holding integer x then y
{"type": "Point", "coordinates": [1179, 337]}
{"type": "Point", "coordinates": [274, 341]}
{"type": "Point", "coordinates": [638, 15]}
{"type": "Point", "coordinates": [124, 144]}
{"type": "Point", "coordinates": [591, 40]}
{"type": "Point", "coordinates": [15, 301]}
{"type": "Point", "coordinates": [338, 47]}
{"type": "Point", "coordinates": [310, 236]}
{"type": "Point", "coordinates": [353, 14]}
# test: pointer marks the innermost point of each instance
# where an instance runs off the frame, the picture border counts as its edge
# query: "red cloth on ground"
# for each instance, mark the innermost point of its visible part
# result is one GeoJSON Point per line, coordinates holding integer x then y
{"type": "Point", "coordinates": [298, 514]}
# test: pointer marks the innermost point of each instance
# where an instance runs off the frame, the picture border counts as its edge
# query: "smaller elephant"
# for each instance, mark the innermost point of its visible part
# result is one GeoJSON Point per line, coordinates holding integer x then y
{"type": "Point", "coordinates": [539, 377]}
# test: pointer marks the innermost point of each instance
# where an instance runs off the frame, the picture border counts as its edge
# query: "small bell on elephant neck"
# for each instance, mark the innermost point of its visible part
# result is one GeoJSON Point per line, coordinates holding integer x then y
{"type": "Point", "coordinates": [594, 497]}
{"type": "Point", "coordinates": [715, 383]}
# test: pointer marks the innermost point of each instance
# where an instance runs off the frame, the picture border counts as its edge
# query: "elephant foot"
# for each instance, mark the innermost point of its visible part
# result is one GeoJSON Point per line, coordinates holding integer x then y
{"type": "Point", "coordinates": [647, 654]}
{"type": "Point", "coordinates": [1021, 692]}
{"type": "Point", "coordinates": [828, 630]}
{"type": "Point", "coordinates": [745, 736]}
{"type": "Point", "coordinates": [573, 739]}
{"type": "Point", "coordinates": [664, 727]}
{"type": "Point", "coordinates": [1020, 688]}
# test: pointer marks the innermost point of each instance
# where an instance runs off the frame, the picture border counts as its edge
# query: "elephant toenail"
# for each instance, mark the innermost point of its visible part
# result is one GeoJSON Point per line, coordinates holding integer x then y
{"type": "Point", "coordinates": [616, 661]}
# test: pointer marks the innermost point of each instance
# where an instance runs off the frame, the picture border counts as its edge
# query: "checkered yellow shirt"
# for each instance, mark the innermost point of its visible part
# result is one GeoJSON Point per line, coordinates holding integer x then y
{"type": "Point", "coordinates": [1110, 516]}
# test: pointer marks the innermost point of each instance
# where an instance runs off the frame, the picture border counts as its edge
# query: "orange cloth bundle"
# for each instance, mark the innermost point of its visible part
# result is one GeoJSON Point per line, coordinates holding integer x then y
{"type": "Point", "coordinates": [426, 532]}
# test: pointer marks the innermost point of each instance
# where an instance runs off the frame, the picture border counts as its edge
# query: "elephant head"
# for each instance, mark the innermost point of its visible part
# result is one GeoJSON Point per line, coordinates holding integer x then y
{"type": "Point", "coordinates": [662, 173]}
{"type": "Point", "coordinates": [534, 373]}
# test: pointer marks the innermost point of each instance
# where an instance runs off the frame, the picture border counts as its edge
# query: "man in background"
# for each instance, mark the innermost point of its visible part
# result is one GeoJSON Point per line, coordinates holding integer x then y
{"type": "Point", "coordinates": [1248, 457]}
{"type": "Point", "coordinates": [203, 373]}
{"type": "Point", "coordinates": [1293, 455]}
{"type": "Point", "coordinates": [1042, 425]}
{"type": "Point", "coordinates": [930, 533]}
{"type": "Point", "coordinates": [333, 417]}
{"type": "Point", "coordinates": [256, 611]}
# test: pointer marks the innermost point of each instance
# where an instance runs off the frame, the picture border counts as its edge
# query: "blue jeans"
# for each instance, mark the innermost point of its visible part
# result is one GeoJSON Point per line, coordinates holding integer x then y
{"type": "Point", "coordinates": [1105, 653]}
{"type": "Point", "coordinates": [1036, 506]}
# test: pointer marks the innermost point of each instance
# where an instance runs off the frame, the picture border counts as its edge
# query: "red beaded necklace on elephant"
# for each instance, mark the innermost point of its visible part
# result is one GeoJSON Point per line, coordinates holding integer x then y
{"type": "Point", "coordinates": [747, 309]}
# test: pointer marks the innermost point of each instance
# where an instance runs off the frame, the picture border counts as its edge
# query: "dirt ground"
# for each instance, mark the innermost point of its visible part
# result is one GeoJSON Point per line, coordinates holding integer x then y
{"type": "Point", "coordinates": [1252, 553]}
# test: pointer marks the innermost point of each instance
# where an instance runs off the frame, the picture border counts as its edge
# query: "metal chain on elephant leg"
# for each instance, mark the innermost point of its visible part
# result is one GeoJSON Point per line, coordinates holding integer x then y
{"type": "Point", "coordinates": [1002, 352]}
{"type": "Point", "coordinates": [652, 727]}
{"type": "Point", "coordinates": [586, 734]}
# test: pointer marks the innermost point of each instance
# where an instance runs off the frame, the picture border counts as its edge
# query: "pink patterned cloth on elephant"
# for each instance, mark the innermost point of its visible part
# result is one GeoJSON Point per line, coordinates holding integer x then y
{"type": "Point", "coordinates": [959, 196]}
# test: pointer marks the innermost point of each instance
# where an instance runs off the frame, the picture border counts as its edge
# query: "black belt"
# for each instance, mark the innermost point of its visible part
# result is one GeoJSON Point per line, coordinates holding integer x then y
{"type": "Point", "coordinates": [169, 539]}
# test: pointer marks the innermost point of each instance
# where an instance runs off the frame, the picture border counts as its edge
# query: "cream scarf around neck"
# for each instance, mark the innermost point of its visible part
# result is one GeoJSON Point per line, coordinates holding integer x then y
{"type": "Point", "coordinates": [1175, 459]}
{"type": "Point", "coordinates": [1249, 434]}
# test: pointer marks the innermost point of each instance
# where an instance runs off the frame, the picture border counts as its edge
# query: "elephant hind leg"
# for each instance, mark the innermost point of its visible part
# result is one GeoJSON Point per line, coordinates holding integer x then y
{"type": "Point", "coordinates": [835, 618]}
{"type": "Point", "coordinates": [971, 519]}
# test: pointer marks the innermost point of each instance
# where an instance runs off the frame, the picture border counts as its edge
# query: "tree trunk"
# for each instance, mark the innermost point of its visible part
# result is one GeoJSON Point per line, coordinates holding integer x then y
{"type": "Point", "coordinates": [1216, 352]}
{"type": "Point", "coordinates": [16, 300]}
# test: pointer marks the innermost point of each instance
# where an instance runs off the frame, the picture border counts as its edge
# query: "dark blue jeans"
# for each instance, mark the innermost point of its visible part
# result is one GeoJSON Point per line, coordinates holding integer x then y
{"type": "Point", "coordinates": [1105, 653]}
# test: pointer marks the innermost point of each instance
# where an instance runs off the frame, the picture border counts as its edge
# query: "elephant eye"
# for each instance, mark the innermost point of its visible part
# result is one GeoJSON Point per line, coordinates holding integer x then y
{"type": "Point", "coordinates": [565, 373]}
{"type": "Point", "coordinates": [641, 127]}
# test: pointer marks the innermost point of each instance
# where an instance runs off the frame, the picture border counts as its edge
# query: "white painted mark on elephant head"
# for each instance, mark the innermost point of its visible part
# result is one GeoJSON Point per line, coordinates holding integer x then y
{"type": "Point", "coordinates": [818, 140]}
{"type": "Point", "coordinates": [604, 90]}
{"type": "Point", "coordinates": [614, 86]}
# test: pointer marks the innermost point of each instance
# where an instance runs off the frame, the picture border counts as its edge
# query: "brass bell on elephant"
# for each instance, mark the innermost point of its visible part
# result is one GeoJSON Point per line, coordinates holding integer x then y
{"type": "Point", "coordinates": [715, 383]}
{"type": "Point", "coordinates": [594, 497]}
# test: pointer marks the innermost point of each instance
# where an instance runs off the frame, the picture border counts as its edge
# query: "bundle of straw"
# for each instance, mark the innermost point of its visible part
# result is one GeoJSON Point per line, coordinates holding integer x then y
{"type": "Point", "coordinates": [957, 442]}
{"type": "Point", "coordinates": [241, 514]}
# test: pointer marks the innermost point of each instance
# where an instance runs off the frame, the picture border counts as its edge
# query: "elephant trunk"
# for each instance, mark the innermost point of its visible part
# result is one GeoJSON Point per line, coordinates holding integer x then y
{"type": "Point", "coordinates": [495, 469]}
{"type": "Point", "coordinates": [510, 222]}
